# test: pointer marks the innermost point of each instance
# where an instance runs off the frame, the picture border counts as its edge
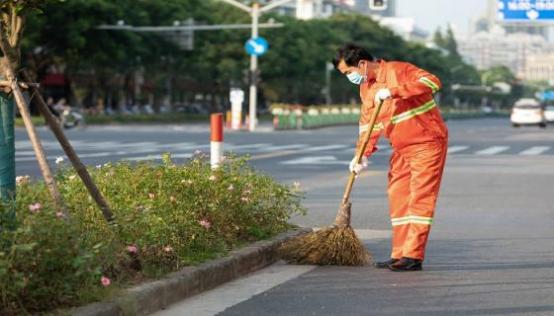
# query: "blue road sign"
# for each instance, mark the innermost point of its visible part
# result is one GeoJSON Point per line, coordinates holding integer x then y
{"type": "Point", "coordinates": [256, 46]}
{"type": "Point", "coordinates": [525, 10]}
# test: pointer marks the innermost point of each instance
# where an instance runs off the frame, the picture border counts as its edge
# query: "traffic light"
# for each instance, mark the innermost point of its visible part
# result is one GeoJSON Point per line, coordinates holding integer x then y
{"type": "Point", "coordinates": [378, 5]}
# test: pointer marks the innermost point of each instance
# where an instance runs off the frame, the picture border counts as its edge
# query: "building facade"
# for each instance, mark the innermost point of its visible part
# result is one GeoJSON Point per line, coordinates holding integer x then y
{"type": "Point", "coordinates": [540, 67]}
{"type": "Point", "coordinates": [498, 48]}
{"type": "Point", "coordinates": [321, 9]}
{"type": "Point", "coordinates": [522, 48]}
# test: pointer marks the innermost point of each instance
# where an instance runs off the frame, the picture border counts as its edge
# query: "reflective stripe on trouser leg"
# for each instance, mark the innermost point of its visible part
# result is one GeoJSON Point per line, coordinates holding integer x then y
{"type": "Point", "coordinates": [426, 167]}
{"type": "Point", "coordinates": [399, 196]}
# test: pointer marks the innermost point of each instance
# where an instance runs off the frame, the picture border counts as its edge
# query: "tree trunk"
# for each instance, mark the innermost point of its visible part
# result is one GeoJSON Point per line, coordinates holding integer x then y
{"type": "Point", "coordinates": [35, 140]}
{"type": "Point", "coordinates": [7, 163]}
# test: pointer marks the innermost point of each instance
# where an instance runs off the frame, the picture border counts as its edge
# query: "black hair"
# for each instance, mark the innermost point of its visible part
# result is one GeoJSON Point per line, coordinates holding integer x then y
{"type": "Point", "coordinates": [352, 54]}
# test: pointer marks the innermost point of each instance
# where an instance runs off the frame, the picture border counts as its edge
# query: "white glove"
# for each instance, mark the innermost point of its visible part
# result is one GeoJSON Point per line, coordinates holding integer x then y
{"type": "Point", "coordinates": [357, 168]}
{"type": "Point", "coordinates": [382, 95]}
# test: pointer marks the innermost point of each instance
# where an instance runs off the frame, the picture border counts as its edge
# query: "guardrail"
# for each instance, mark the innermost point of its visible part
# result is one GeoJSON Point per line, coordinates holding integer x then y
{"type": "Point", "coordinates": [299, 117]}
{"type": "Point", "coordinates": [287, 116]}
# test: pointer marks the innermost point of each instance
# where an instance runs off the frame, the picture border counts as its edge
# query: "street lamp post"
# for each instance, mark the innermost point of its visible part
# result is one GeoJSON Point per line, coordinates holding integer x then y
{"type": "Point", "coordinates": [253, 100]}
{"type": "Point", "coordinates": [255, 11]}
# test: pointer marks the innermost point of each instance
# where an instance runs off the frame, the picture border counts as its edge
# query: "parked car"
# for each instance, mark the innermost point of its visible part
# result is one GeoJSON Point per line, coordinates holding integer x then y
{"type": "Point", "coordinates": [549, 113]}
{"type": "Point", "coordinates": [528, 112]}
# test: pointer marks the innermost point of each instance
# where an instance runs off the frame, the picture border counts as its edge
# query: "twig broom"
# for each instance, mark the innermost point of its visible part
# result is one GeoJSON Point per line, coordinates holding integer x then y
{"type": "Point", "coordinates": [338, 243]}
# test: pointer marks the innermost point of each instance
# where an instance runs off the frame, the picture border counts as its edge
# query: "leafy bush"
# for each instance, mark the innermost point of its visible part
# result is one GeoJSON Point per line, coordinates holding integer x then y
{"type": "Point", "coordinates": [167, 216]}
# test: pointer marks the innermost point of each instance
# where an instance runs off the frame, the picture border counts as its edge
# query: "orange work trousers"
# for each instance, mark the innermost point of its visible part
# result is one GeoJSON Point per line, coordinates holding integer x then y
{"type": "Point", "coordinates": [414, 181]}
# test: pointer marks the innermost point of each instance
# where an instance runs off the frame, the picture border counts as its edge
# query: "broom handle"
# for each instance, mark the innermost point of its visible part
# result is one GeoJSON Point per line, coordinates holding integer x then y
{"type": "Point", "coordinates": [360, 152]}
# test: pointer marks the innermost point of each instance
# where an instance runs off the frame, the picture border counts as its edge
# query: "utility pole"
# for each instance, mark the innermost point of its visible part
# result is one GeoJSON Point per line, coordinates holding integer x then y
{"type": "Point", "coordinates": [253, 99]}
{"type": "Point", "coordinates": [255, 11]}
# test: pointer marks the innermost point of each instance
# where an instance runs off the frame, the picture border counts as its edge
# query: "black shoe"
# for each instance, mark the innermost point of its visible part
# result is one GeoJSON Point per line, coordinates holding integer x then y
{"type": "Point", "coordinates": [406, 264]}
{"type": "Point", "coordinates": [384, 264]}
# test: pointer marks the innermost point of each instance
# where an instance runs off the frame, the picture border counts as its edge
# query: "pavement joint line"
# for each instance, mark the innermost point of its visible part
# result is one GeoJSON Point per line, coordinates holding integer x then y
{"type": "Point", "coordinates": [150, 297]}
{"type": "Point", "coordinates": [227, 295]}
{"type": "Point", "coordinates": [235, 292]}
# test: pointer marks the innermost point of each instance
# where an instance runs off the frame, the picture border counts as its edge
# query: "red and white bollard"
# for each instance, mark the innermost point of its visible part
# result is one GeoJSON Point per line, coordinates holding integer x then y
{"type": "Point", "coordinates": [216, 144]}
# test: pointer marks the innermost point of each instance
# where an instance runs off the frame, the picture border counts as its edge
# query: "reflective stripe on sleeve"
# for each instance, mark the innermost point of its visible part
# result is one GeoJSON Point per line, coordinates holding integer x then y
{"type": "Point", "coordinates": [428, 82]}
{"type": "Point", "coordinates": [376, 128]}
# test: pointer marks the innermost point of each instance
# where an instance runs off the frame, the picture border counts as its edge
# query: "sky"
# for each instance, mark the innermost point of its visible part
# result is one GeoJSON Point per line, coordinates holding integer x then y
{"type": "Point", "coordinates": [430, 14]}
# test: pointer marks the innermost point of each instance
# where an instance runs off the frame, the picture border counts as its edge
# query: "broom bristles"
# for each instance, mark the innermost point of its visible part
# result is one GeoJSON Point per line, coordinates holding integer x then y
{"type": "Point", "coordinates": [328, 246]}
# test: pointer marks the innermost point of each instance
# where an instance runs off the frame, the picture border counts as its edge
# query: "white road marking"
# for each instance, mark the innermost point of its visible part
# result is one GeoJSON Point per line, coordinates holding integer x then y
{"type": "Point", "coordinates": [235, 292]}
{"type": "Point", "coordinates": [492, 150]}
{"type": "Point", "coordinates": [327, 147]}
{"type": "Point", "coordinates": [24, 153]}
{"type": "Point", "coordinates": [98, 145]}
{"type": "Point", "coordinates": [23, 144]}
{"type": "Point", "coordinates": [184, 146]}
{"type": "Point", "coordinates": [537, 150]}
{"type": "Point", "coordinates": [284, 147]}
{"type": "Point", "coordinates": [455, 149]}
{"type": "Point", "coordinates": [140, 144]}
{"type": "Point", "coordinates": [91, 155]}
{"type": "Point", "coordinates": [232, 147]}
{"type": "Point", "coordinates": [315, 160]}
{"type": "Point", "coordinates": [143, 158]}
{"type": "Point", "coordinates": [274, 154]}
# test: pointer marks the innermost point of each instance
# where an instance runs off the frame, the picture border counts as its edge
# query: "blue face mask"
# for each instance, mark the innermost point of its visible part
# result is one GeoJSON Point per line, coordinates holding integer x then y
{"type": "Point", "coordinates": [355, 77]}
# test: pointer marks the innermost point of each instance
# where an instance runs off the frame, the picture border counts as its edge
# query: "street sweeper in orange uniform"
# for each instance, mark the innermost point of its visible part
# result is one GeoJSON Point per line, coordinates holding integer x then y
{"type": "Point", "coordinates": [412, 122]}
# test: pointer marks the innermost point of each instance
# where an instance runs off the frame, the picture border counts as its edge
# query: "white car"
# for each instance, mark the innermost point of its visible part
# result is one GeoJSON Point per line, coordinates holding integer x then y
{"type": "Point", "coordinates": [549, 113]}
{"type": "Point", "coordinates": [528, 112]}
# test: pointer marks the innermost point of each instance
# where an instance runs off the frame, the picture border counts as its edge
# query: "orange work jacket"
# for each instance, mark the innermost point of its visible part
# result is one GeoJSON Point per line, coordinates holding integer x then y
{"type": "Point", "coordinates": [411, 116]}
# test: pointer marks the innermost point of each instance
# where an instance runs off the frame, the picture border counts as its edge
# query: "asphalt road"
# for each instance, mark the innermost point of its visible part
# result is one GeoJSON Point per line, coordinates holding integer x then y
{"type": "Point", "coordinates": [490, 251]}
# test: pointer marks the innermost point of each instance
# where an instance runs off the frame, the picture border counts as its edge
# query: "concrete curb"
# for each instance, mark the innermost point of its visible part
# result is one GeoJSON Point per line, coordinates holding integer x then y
{"type": "Point", "coordinates": [153, 296]}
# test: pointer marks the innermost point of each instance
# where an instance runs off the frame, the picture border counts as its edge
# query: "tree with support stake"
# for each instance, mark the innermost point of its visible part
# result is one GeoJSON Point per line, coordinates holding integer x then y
{"type": "Point", "coordinates": [11, 27]}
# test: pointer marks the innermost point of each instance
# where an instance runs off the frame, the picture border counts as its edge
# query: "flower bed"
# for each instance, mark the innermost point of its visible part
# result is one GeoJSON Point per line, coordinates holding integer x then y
{"type": "Point", "coordinates": [167, 216]}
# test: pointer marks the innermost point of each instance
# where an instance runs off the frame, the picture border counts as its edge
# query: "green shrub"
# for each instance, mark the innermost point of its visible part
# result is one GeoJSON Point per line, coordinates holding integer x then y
{"type": "Point", "coordinates": [168, 216]}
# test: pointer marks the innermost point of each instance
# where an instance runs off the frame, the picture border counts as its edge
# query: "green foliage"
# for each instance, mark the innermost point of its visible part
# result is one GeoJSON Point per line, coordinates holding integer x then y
{"type": "Point", "coordinates": [21, 5]}
{"type": "Point", "coordinates": [497, 74]}
{"type": "Point", "coordinates": [292, 71]}
{"type": "Point", "coordinates": [447, 42]}
{"type": "Point", "coordinates": [168, 216]}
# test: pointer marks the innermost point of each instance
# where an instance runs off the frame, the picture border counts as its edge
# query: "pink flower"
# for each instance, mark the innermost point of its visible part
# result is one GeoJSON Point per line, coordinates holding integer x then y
{"type": "Point", "coordinates": [168, 249]}
{"type": "Point", "coordinates": [22, 180]}
{"type": "Point", "coordinates": [151, 195]}
{"type": "Point", "coordinates": [212, 178]}
{"type": "Point", "coordinates": [35, 208]}
{"type": "Point", "coordinates": [60, 215]}
{"type": "Point", "coordinates": [205, 223]}
{"type": "Point", "coordinates": [105, 281]}
{"type": "Point", "coordinates": [132, 249]}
